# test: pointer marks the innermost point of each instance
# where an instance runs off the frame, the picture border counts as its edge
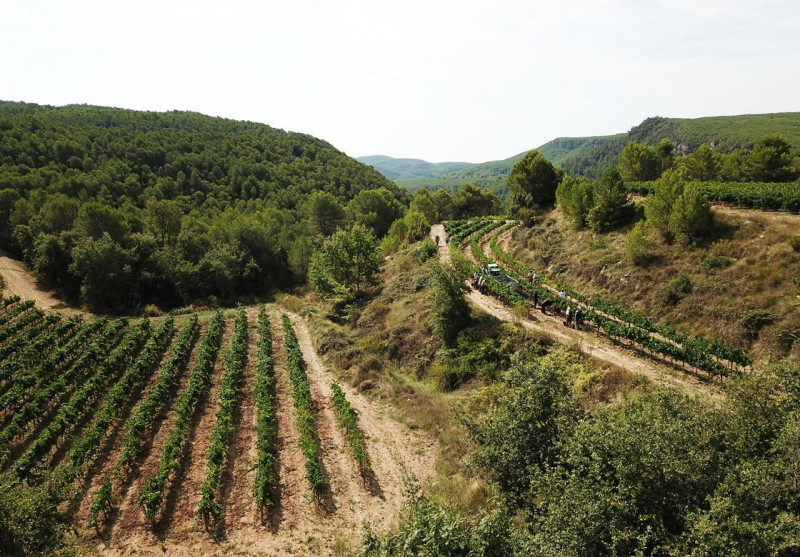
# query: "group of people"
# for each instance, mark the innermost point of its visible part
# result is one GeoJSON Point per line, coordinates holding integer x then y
{"type": "Point", "coordinates": [446, 240]}
{"type": "Point", "coordinates": [479, 282]}
{"type": "Point", "coordinates": [574, 318]}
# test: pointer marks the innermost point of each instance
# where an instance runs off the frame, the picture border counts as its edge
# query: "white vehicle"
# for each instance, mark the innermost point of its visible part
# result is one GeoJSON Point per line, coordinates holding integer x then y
{"type": "Point", "coordinates": [493, 269]}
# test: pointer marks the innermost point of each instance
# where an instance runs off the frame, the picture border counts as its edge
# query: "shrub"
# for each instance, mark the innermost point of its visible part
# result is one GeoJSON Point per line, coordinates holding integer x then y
{"type": "Point", "coordinates": [639, 248]}
{"type": "Point", "coordinates": [794, 242]}
{"type": "Point", "coordinates": [676, 290]}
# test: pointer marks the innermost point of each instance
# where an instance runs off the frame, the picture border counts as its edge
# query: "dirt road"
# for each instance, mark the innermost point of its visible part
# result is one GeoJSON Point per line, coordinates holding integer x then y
{"type": "Point", "coordinates": [18, 281]}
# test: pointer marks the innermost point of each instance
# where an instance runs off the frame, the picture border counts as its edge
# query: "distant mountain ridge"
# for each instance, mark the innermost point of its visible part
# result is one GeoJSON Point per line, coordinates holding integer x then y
{"type": "Point", "coordinates": [590, 156]}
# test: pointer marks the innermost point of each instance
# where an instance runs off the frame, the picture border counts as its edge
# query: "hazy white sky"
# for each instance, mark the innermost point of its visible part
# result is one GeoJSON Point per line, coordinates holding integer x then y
{"type": "Point", "coordinates": [433, 79]}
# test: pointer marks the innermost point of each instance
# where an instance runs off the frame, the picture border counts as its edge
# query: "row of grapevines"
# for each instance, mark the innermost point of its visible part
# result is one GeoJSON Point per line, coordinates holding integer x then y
{"type": "Point", "coordinates": [348, 419]}
{"type": "Point", "coordinates": [21, 324]}
{"type": "Point", "coordinates": [209, 507]}
{"type": "Point", "coordinates": [40, 348]}
{"type": "Point", "coordinates": [11, 300]}
{"type": "Point", "coordinates": [64, 356]}
{"type": "Point", "coordinates": [267, 426]}
{"type": "Point", "coordinates": [304, 406]}
{"type": "Point", "coordinates": [124, 392]}
{"type": "Point", "coordinates": [695, 352]}
{"type": "Point", "coordinates": [54, 391]}
{"type": "Point", "coordinates": [756, 195]}
{"type": "Point", "coordinates": [17, 309]}
{"type": "Point", "coordinates": [196, 389]}
{"type": "Point", "coordinates": [85, 396]}
{"type": "Point", "coordinates": [26, 337]}
{"type": "Point", "coordinates": [132, 443]}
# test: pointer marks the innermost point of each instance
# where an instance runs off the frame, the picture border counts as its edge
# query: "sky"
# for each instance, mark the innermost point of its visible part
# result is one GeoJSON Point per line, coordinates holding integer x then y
{"type": "Point", "coordinates": [438, 80]}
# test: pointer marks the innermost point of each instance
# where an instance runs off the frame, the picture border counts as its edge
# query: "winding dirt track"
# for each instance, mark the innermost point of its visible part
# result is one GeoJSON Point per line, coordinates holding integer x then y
{"type": "Point", "coordinates": [591, 344]}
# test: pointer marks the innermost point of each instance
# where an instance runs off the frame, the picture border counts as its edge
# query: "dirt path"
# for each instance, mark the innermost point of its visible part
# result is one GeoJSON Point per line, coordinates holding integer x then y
{"type": "Point", "coordinates": [18, 281]}
{"type": "Point", "coordinates": [589, 343]}
{"type": "Point", "coordinates": [437, 230]}
{"type": "Point", "coordinates": [299, 526]}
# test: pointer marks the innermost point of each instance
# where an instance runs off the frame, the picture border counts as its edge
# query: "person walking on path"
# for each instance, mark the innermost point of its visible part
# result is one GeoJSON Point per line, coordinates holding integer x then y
{"type": "Point", "coordinates": [567, 317]}
{"type": "Point", "coordinates": [546, 304]}
{"type": "Point", "coordinates": [437, 241]}
{"type": "Point", "coordinates": [536, 298]}
{"type": "Point", "coordinates": [578, 316]}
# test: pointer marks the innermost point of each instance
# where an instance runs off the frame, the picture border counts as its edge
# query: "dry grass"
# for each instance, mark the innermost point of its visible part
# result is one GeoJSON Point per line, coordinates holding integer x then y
{"type": "Point", "coordinates": [750, 266]}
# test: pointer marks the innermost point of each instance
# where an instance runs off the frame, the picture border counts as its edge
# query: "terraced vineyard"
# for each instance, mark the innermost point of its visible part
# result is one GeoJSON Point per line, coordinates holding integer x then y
{"type": "Point", "coordinates": [162, 427]}
{"type": "Point", "coordinates": [697, 354]}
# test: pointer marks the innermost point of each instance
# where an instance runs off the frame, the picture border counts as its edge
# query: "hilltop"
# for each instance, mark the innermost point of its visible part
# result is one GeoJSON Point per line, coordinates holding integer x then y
{"type": "Point", "coordinates": [590, 156]}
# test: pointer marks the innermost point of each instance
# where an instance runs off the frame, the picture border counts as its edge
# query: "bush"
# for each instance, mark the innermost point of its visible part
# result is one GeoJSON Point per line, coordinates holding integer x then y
{"type": "Point", "coordinates": [639, 248]}
{"type": "Point", "coordinates": [676, 290]}
{"type": "Point", "coordinates": [794, 242]}
{"type": "Point", "coordinates": [30, 522]}
{"type": "Point", "coordinates": [426, 251]}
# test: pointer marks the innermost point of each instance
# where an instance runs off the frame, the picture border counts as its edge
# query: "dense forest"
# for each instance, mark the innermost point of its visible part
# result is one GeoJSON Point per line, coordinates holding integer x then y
{"type": "Point", "coordinates": [120, 208]}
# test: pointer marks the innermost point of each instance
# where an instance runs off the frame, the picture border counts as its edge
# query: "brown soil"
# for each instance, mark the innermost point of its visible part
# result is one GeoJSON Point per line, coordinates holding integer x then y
{"type": "Point", "coordinates": [299, 525]}
{"type": "Point", "coordinates": [17, 281]}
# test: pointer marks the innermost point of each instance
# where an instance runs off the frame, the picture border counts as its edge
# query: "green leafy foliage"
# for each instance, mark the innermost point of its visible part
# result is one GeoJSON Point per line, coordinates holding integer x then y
{"type": "Point", "coordinates": [348, 420]}
{"type": "Point", "coordinates": [450, 312]}
{"type": "Point", "coordinates": [94, 198]}
{"type": "Point", "coordinates": [209, 508]}
{"type": "Point", "coordinates": [346, 262]}
{"type": "Point", "coordinates": [533, 182]}
{"type": "Point", "coordinates": [135, 426]}
{"type": "Point", "coordinates": [306, 411]}
{"type": "Point", "coordinates": [610, 206]}
{"type": "Point", "coordinates": [152, 495]}
{"type": "Point", "coordinates": [266, 482]}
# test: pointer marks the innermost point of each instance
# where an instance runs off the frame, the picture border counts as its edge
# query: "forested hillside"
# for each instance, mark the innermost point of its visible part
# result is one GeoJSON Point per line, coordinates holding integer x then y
{"type": "Point", "coordinates": [591, 156]}
{"type": "Point", "coordinates": [120, 208]}
{"type": "Point", "coordinates": [410, 169]}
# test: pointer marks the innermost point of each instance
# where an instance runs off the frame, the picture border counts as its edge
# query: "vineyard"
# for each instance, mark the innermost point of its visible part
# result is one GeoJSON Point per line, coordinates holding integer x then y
{"type": "Point", "coordinates": [186, 429]}
{"type": "Point", "coordinates": [697, 354]}
{"type": "Point", "coordinates": [753, 195]}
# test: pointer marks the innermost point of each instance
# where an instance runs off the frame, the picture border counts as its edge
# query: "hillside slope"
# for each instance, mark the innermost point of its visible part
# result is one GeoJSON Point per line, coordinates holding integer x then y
{"type": "Point", "coordinates": [590, 156]}
{"type": "Point", "coordinates": [410, 169]}
{"type": "Point", "coordinates": [118, 208]}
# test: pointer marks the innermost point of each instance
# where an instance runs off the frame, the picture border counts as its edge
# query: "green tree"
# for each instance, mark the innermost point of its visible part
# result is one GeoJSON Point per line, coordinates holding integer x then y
{"type": "Point", "coordinates": [472, 201]}
{"type": "Point", "coordinates": [691, 213]}
{"type": "Point", "coordinates": [325, 213]}
{"type": "Point", "coordinates": [703, 164]}
{"type": "Point", "coordinates": [658, 205]}
{"type": "Point", "coordinates": [574, 196]}
{"type": "Point", "coordinates": [639, 162]}
{"type": "Point", "coordinates": [639, 248]}
{"type": "Point", "coordinates": [417, 226]}
{"type": "Point", "coordinates": [346, 262]}
{"type": "Point", "coordinates": [445, 207]}
{"type": "Point", "coordinates": [423, 203]}
{"type": "Point", "coordinates": [611, 205]}
{"type": "Point", "coordinates": [518, 437]}
{"type": "Point", "coordinates": [771, 160]}
{"type": "Point", "coordinates": [533, 182]}
{"type": "Point", "coordinates": [450, 310]}
{"type": "Point", "coordinates": [96, 219]}
{"type": "Point", "coordinates": [105, 271]}
{"type": "Point", "coordinates": [376, 209]}
{"type": "Point", "coordinates": [164, 217]}
{"type": "Point", "coordinates": [665, 151]}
